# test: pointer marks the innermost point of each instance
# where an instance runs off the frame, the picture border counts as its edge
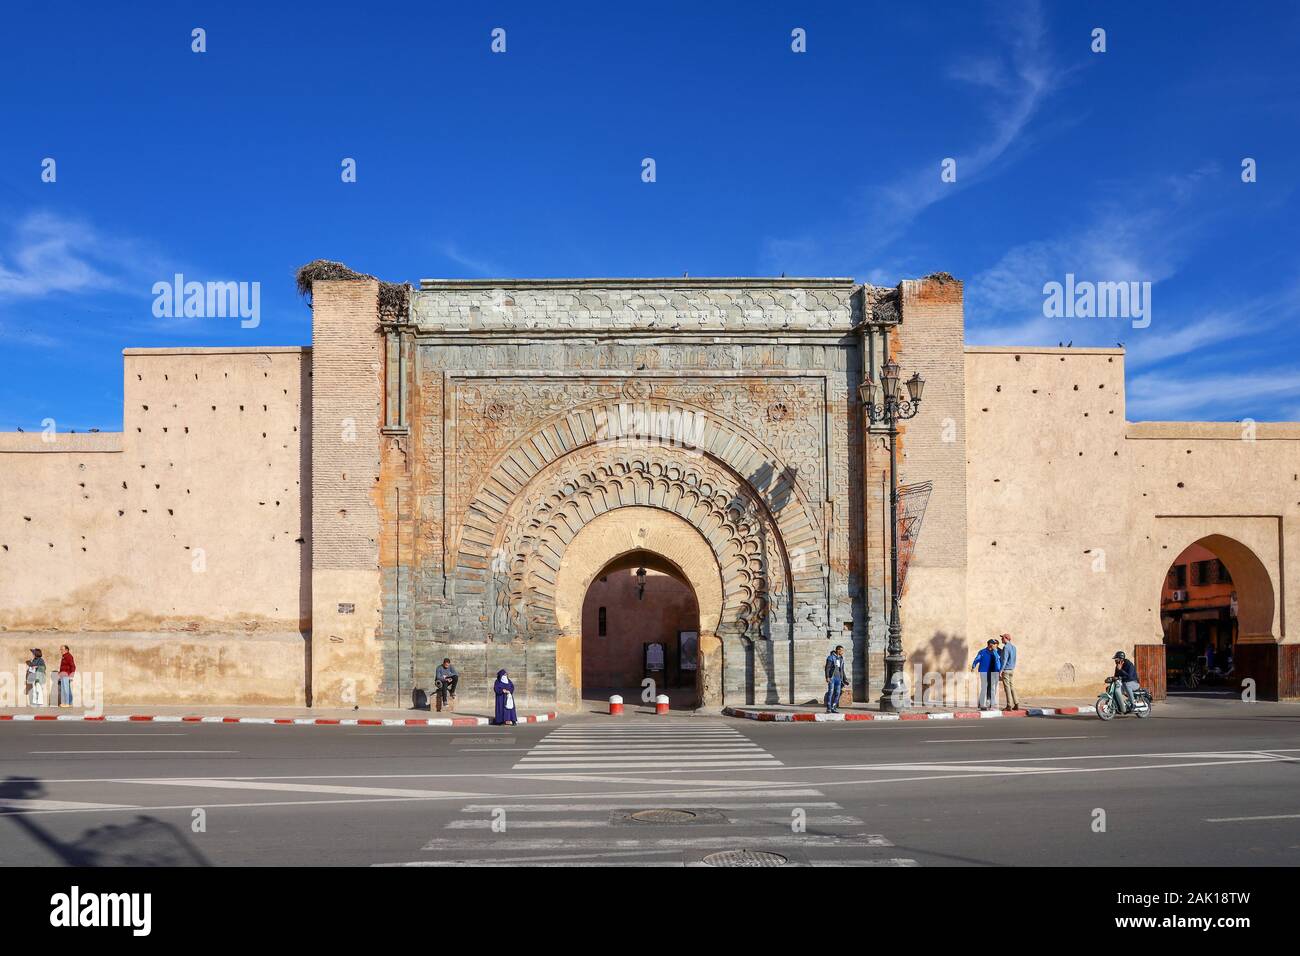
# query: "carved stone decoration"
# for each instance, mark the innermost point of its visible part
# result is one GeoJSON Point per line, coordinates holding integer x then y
{"type": "Point", "coordinates": [745, 539]}
{"type": "Point", "coordinates": [495, 415]}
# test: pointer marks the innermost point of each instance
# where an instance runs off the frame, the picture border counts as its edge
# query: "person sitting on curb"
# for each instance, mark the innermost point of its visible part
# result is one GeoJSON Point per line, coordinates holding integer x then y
{"type": "Point", "coordinates": [445, 676]}
{"type": "Point", "coordinates": [989, 664]}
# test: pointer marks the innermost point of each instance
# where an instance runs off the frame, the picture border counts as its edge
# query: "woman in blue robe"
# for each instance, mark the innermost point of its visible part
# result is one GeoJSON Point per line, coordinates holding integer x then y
{"type": "Point", "coordinates": [505, 691]}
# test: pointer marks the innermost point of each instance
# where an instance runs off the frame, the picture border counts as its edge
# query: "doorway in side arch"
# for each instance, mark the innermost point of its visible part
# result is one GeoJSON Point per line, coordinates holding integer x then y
{"type": "Point", "coordinates": [1216, 616]}
{"type": "Point", "coordinates": [640, 622]}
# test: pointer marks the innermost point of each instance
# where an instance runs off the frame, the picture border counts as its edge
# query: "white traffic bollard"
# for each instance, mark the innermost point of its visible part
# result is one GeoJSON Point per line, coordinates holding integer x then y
{"type": "Point", "coordinates": [615, 705]}
{"type": "Point", "coordinates": [661, 704]}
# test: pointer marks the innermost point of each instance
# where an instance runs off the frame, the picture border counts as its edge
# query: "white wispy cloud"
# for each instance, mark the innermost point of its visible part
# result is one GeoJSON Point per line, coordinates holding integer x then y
{"type": "Point", "coordinates": [1014, 82]}
{"type": "Point", "coordinates": [1174, 395]}
{"type": "Point", "coordinates": [479, 266]}
{"type": "Point", "coordinates": [47, 254]}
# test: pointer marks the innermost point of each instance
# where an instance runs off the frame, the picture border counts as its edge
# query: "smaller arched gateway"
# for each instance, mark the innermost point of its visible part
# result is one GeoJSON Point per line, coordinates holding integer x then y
{"type": "Point", "coordinates": [1218, 613]}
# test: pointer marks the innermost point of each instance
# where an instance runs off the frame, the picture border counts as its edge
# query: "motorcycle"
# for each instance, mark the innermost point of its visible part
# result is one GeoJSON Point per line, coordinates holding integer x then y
{"type": "Point", "coordinates": [1108, 706]}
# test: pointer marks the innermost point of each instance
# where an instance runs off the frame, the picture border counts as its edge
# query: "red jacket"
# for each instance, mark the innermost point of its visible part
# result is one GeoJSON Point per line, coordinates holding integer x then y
{"type": "Point", "coordinates": [67, 665]}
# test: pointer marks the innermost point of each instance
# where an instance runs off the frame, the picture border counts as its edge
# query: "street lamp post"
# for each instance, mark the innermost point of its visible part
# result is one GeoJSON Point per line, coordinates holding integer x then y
{"type": "Point", "coordinates": [883, 404]}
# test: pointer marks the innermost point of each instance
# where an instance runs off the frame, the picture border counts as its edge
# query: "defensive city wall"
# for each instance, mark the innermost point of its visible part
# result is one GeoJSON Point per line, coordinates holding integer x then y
{"type": "Point", "coordinates": [446, 470]}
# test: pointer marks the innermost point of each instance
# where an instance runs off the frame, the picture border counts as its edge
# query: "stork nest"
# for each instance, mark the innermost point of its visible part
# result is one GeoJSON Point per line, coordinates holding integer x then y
{"type": "Point", "coordinates": [394, 297]}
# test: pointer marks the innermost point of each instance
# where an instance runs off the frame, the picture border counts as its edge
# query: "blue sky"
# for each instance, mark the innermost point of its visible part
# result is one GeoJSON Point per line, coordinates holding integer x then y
{"type": "Point", "coordinates": [225, 165]}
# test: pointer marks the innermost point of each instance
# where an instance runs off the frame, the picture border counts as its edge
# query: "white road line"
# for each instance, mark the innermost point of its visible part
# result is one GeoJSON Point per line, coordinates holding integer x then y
{"type": "Point", "coordinates": [645, 749]}
{"type": "Point", "coordinates": [847, 863]}
{"type": "Point", "coordinates": [838, 820]}
{"type": "Point", "coordinates": [643, 765]}
{"type": "Point", "coordinates": [1275, 816]}
{"type": "Point", "coordinates": [670, 804]}
{"type": "Point", "coordinates": [176, 734]}
{"type": "Point", "coordinates": [216, 784]}
{"type": "Point", "coordinates": [639, 748]}
{"type": "Point", "coordinates": [682, 794]}
{"type": "Point", "coordinates": [619, 756]}
{"type": "Point", "coordinates": [548, 862]}
{"type": "Point", "coordinates": [989, 740]}
{"type": "Point", "coordinates": [107, 752]}
{"type": "Point", "coordinates": [799, 840]}
{"type": "Point", "coordinates": [669, 744]}
{"type": "Point", "coordinates": [13, 803]}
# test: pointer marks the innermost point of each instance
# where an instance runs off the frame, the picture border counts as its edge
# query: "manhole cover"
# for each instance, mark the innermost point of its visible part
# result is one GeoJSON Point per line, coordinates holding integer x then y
{"type": "Point", "coordinates": [745, 858]}
{"type": "Point", "coordinates": [663, 816]}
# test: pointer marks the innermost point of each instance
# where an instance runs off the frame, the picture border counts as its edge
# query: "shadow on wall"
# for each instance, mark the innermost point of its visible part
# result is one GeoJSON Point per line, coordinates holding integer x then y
{"type": "Point", "coordinates": [943, 653]}
{"type": "Point", "coordinates": [144, 841]}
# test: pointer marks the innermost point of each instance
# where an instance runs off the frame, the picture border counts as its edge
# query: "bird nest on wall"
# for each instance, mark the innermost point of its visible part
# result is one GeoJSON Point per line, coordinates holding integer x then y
{"type": "Point", "coordinates": [394, 297]}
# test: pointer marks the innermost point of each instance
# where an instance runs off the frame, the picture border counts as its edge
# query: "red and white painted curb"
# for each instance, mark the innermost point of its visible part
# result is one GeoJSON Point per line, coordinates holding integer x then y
{"type": "Point", "coordinates": [289, 721]}
{"type": "Point", "coordinates": [793, 717]}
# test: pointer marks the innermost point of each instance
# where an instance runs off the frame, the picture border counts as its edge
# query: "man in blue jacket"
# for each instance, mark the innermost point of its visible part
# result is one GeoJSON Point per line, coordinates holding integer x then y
{"type": "Point", "coordinates": [835, 679]}
{"type": "Point", "coordinates": [989, 664]}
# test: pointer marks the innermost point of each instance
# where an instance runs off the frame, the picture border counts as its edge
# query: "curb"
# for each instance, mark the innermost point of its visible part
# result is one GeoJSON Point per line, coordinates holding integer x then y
{"type": "Point", "coordinates": [789, 717]}
{"type": "Point", "coordinates": [285, 721]}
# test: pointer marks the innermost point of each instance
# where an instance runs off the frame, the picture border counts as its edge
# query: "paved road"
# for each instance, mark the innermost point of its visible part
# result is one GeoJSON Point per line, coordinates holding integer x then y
{"type": "Point", "coordinates": [1203, 782]}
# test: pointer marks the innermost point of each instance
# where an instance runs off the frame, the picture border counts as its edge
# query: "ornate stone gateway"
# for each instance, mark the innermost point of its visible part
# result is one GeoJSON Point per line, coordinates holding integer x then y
{"type": "Point", "coordinates": [538, 430]}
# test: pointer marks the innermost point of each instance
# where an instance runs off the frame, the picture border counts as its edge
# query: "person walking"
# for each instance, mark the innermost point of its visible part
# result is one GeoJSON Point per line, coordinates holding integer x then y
{"type": "Point", "coordinates": [1008, 674]}
{"type": "Point", "coordinates": [36, 678]}
{"type": "Point", "coordinates": [67, 667]}
{"type": "Point", "coordinates": [835, 679]}
{"type": "Point", "coordinates": [989, 663]}
{"type": "Point", "coordinates": [504, 688]}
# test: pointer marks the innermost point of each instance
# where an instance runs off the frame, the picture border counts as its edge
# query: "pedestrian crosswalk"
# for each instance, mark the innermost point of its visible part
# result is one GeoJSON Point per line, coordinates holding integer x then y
{"type": "Point", "coordinates": [605, 830]}
{"type": "Point", "coordinates": [637, 746]}
{"type": "Point", "coordinates": [647, 807]}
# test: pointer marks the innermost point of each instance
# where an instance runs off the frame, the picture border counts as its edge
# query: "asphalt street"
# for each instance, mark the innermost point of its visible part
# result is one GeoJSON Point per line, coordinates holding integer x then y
{"type": "Point", "coordinates": [1204, 782]}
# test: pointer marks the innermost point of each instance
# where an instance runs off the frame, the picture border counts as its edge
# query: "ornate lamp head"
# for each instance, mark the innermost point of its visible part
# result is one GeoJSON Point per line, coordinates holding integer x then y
{"type": "Point", "coordinates": [915, 386]}
{"type": "Point", "coordinates": [889, 376]}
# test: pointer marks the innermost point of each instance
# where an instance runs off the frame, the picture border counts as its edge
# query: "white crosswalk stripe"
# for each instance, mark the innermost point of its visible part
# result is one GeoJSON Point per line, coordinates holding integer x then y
{"type": "Point", "coordinates": [643, 746]}
{"type": "Point", "coordinates": [609, 828]}
{"type": "Point", "coordinates": [602, 835]}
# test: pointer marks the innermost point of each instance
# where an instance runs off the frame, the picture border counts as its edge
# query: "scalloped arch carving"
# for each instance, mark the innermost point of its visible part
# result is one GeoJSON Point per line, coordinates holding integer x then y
{"type": "Point", "coordinates": [528, 544]}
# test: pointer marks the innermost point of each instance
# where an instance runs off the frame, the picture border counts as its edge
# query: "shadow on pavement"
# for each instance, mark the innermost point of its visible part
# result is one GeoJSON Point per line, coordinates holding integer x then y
{"type": "Point", "coordinates": [144, 841]}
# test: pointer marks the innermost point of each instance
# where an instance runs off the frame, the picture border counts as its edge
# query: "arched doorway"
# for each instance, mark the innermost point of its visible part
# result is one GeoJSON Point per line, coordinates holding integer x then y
{"type": "Point", "coordinates": [640, 619]}
{"type": "Point", "coordinates": [674, 547]}
{"type": "Point", "coordinates": [1216, 600]}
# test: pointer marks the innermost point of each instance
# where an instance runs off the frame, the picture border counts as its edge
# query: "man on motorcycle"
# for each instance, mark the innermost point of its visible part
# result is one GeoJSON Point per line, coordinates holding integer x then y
{"type": "Point", "coordinates": [1126, 680]}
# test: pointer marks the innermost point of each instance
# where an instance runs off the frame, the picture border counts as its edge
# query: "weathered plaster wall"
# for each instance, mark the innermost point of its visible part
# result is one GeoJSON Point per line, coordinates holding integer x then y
{"type": "Point", "coordinates": [932, 447]}
{"type": "Point", "coordinates": [175, 549]}
{"type": "Point", "coordinates": [1076, 514]}
{"type": "Point", "coordinates": [347, 407]}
